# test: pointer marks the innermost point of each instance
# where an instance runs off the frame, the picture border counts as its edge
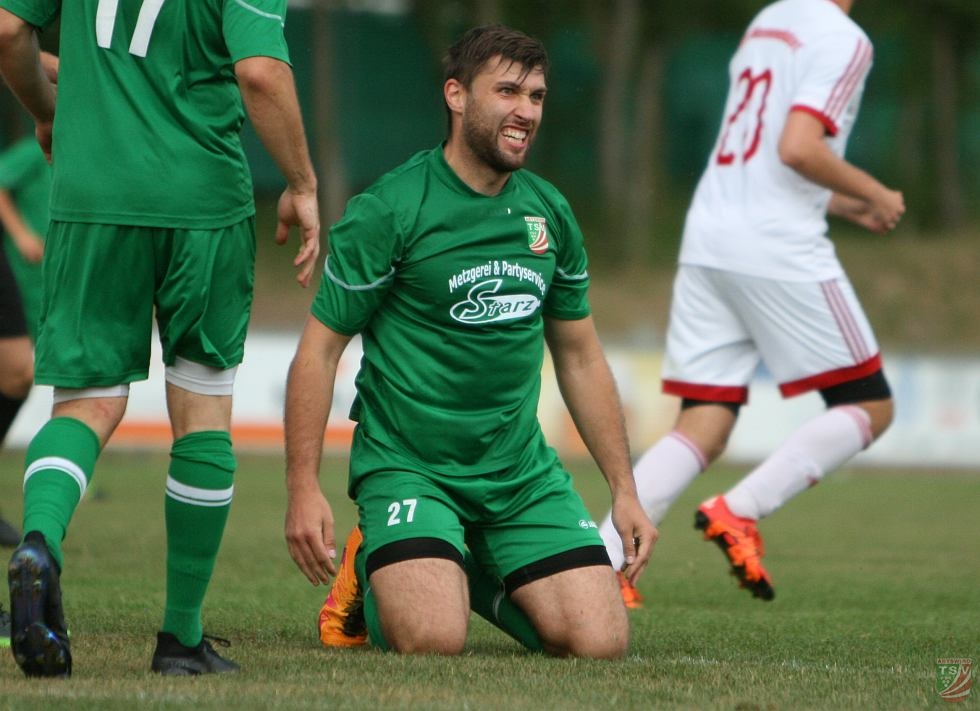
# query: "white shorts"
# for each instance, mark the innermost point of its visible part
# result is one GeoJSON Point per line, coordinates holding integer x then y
{"type": "Point", "coordinates": [810, 335]}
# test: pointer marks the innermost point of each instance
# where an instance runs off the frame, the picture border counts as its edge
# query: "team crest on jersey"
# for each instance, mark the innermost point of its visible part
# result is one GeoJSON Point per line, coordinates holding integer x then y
{"type": "Point", "coordinates": [537, 234]}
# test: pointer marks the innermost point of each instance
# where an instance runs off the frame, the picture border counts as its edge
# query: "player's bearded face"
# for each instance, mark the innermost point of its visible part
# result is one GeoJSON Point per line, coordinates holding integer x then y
{"type": "Point", "coordinates": [502, 114]}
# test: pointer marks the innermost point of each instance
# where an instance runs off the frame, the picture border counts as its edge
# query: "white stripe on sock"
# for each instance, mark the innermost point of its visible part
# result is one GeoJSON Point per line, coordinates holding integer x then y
{"type": "Point", "coordinates": [65, 466]}
{"type": "Point", "coordinates": [196, 496]}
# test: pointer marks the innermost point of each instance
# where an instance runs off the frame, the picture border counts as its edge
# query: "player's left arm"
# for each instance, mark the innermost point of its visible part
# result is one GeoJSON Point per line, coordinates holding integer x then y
{"type": "Point", "coordinates": [23, 71]}
{"type": "Point", "coordinates": [862, 198]}
{"type": "Point", "coordinates": [589, 391]}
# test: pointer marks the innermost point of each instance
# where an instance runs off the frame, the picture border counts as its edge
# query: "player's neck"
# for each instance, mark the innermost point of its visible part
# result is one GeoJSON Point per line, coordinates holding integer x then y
{"type": "Point", "coordinates": [473, 171]}
{"type": "Point", "coordinates": [844, 5]}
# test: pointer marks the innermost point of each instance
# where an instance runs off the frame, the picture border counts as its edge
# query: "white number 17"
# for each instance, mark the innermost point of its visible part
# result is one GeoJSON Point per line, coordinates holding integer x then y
{"type": "Point", "coordinates": [105, 21]}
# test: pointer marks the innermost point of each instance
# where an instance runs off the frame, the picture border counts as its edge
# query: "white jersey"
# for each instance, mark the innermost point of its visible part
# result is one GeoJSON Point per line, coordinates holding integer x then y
{"type": "Point", "coordinates": [751, 213]}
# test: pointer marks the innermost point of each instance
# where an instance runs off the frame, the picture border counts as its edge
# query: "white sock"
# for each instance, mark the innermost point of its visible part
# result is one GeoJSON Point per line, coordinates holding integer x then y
{"type": "Point", "coordinates": [661, 474]}
{"type": "Point", "coordinates": [814, 450]}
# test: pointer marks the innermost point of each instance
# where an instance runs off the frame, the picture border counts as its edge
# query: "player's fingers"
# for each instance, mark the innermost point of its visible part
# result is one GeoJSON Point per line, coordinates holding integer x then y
{"type": "Point", "coordinates": [306, 261]}
{"type": "Point", "coordinates": [319, 563]}
{"type": "Point", "coordinates": [629, 549]}
{"type": "Point", "coordinates": [302, 562]}
{"type": "Point", "coordinates": [282, 232]}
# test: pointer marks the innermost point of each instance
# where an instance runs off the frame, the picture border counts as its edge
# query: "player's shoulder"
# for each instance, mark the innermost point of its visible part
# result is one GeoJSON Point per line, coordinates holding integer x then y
{"type": "Point", "coordinates": [405, 177]}
{"type": "Point", "coordinates": [544, 189]}
{"type": "Point", "coordinates": [401, 189]}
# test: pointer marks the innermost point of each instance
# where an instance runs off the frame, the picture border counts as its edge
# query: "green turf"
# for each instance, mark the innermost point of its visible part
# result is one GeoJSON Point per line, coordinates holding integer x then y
{"type": "Point", "coordinates": [876, 576]}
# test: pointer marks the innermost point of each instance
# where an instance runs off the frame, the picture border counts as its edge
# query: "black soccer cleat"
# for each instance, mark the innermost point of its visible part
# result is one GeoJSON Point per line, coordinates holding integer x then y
{"type": "Point", "coordinates": [38, 634]}
{"type": "Point", "coordinates": [171, 658]}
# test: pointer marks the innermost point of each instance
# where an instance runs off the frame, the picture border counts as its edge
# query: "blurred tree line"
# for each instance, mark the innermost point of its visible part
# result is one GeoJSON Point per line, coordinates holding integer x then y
{"type": "Point", "coordinates": [635, 100]}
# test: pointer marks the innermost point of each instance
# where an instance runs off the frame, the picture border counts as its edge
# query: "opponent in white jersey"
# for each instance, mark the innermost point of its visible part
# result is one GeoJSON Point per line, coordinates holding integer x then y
{"type": "Point", "coordinates": [759, 280]}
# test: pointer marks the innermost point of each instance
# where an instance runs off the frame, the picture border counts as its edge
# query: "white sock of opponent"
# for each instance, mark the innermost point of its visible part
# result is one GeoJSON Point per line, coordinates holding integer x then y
{"type": "Point", "coordinates": [817, 448]}
{"type": "Point", "coordinates": [661, 474]}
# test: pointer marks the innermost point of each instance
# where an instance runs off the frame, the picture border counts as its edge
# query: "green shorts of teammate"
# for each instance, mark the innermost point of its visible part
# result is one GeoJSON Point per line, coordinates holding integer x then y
{"type": "Point", "coordinates": [520, 524]}
{"type": "Point", "coordinates": [102, 284]}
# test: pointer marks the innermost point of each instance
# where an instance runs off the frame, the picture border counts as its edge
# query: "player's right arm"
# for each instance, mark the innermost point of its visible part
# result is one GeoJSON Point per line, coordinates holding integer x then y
{"type": "Point", "coordinates": [21, 67]}
{"type": "Point", "coordinates": [309, 394]}
{"type": "Point", "coordinates": [858, 196]}
{"type": "Point", "coordinates": [269, 93]}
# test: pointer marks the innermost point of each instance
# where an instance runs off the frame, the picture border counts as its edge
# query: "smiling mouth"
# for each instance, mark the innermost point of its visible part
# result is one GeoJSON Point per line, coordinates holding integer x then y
{"type": "Point", "coordinates": [515, 135]}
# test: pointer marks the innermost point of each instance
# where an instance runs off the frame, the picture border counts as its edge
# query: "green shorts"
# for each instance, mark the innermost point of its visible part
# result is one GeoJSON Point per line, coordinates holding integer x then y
{"type": "Point", "coordinates": [508, 519]}
{"type": "Point", "coordinates": [103, 282]}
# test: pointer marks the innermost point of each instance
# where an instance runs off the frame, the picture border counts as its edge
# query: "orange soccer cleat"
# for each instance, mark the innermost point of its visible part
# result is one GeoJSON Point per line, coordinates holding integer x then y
{"type": "Point", "coordinates": [740, 540]}
{"type": "Point", "coordinates": [341, 620]}
{"type": "Point", "coordinates": [631, 596]}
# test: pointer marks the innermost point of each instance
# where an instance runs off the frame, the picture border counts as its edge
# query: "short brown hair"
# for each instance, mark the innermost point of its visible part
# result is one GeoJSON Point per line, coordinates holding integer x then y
{"type": "Point", "coordinates": [476, 47]}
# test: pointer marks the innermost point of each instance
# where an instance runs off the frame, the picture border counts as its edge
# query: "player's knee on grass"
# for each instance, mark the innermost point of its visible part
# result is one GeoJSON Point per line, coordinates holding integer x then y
{"type": "Point", "coordinates": [577, 612]}
{"type": "Point", "coordinates": [422, 605]}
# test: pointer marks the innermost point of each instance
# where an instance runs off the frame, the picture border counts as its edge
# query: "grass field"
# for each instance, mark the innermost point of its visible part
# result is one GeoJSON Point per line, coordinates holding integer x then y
{"type": "Point", "coordinates": [876, 575]}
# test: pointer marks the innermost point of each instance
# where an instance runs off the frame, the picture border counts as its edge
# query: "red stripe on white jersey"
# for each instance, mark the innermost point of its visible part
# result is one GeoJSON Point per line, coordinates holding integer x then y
{"type": "Point", "coordinates": [846, 85]}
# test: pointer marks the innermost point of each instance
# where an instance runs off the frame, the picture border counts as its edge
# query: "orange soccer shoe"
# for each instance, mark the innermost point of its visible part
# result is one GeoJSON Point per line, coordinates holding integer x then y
{"type": "Point", "coordinates": [631, 596]}
{"type": "Point", "coordinates": [341, 620]}
{"type": "Point", "coordinates": [740, 540]}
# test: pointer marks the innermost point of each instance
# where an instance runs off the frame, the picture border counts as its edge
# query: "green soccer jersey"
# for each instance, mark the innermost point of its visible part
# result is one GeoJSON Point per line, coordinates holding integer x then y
{"type": "Point", "coordinates": [27, 176]}
{"type": "Point", "coordinates": [447, 288]}
{"type": "Point", "coordinates": [148, 113]}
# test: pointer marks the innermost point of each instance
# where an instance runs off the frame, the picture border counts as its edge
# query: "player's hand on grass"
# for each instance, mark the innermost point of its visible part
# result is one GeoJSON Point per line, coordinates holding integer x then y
{"type": "Point", "coordinates": [300, 210]}
{"type": "Point", "coordinates": [638, 534]}
{"type": "Point", "coordinates": [310, 536]}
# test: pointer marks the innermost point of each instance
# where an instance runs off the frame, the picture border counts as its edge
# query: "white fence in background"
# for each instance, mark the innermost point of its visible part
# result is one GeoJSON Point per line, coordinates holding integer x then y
{"type": "Point", "coordinates": [937, 421]}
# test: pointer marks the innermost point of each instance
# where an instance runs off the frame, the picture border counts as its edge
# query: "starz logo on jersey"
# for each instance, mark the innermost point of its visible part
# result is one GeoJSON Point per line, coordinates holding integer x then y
{"type": "Point", "coordinates": [484, 305]}
{"type": "Point", "coordinates": [537, 234]}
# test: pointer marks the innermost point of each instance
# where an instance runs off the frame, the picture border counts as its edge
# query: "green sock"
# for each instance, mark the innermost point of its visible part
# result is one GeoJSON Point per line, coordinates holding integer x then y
{"type": "Point", "coordinates": [59, 464]}
{"type": "Point", "coordinates": [371, 621]}
{"type": "Point", "coordinates": [489, 601]}
{"type": "Point", "coordinates": [199, 491]}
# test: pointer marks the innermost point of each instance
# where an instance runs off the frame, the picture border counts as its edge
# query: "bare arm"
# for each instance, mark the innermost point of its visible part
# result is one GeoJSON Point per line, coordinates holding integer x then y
{"type": "Point", "coordinates": [24, 238]}
{"type": "Point", "coordinates": [269, 93]}
{"type": "Point", "coordinates": [858, 196]}
{"type": "Point", "coordinates": [589, 391]}
{"type": "Point", "coordinates": [22, 69]}
{"type": "Point", "coordinates": [309, 393]}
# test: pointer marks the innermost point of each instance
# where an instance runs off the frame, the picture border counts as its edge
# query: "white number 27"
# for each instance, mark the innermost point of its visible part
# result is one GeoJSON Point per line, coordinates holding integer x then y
{"type": "Point", "coordinates": [105, 21]}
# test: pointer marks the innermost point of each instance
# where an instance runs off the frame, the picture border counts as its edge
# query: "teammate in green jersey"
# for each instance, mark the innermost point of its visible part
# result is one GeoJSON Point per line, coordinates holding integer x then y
{"type": "Point", "coordinates": [152, 214]}
{"type": "Point", "coordinates": [25, 189]}
{"type": "Point", "coordinates": [455, 269]}
{"type": "Point", "coordinates": [25, 186]}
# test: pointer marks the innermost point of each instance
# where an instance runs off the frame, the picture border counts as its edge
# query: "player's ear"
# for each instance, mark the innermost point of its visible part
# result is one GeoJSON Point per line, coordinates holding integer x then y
{"type": "Point", "coordinates": [455, 95]}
